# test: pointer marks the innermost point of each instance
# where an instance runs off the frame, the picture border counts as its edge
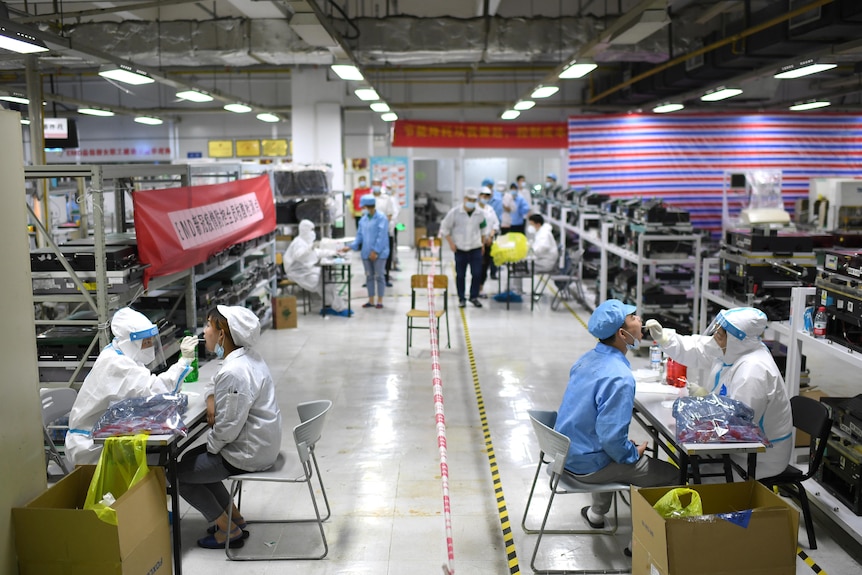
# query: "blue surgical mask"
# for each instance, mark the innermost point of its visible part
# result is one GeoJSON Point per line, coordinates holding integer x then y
{"type": "Point", "coordinates": [364, 211]}
{"type": "Point", "coordinates": [470, 205]}
{"type": "Point", "coordinates": [375, 189]}
{"type": "Point", "coordinates": [482, 201]}
{"type": "Point", "coordinates": [633, 346]}
{"type": "Point", "coordinates": [219, 351]}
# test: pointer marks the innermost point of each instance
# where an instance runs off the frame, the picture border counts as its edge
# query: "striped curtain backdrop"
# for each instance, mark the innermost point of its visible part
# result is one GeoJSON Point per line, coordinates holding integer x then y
{"type": "Point", "coordinates": [685, 159]}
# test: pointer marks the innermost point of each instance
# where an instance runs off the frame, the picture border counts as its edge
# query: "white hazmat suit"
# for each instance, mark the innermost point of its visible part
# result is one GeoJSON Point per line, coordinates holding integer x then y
{"type": "Point", "coordinates": [745, 371]}
{"type": "Point", "coordinates": [119, 372]}
{"type": "Point", "coordinates": [301, 265]}
{"type": "Point", "coordinates": [544, 248]}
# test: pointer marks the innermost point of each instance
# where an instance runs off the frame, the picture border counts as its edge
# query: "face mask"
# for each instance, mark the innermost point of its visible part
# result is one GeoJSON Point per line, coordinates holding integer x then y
{"type": "Point", "coordinates": [375, 189]}
{"type": "Point", "coordinates": [531, 231]}
{"type": "Point", "coordinates": [523, 185]}
{"type": "Point", "coordinates": [633, 346]}
{"type": "Point", "coordinates": [361, 184]}
{"type": "Point", "coordinates": [482, 201]}
{"type": "Point", "coordinates": [548, 184]}
{"type": "Point", "coordinates": [364, 211]}
{"type": "Point", "coordinates": [470, 205]}
{"type": "Point", "coordinates": [147, 355]}
{"type": "Point", "coordinates": [219, 350]}
{"type": "Point", "coordinates": [514, 193]}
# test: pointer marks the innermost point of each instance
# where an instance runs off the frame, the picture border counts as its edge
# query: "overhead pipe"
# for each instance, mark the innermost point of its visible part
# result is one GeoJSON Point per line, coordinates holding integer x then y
{"type": "Point", "coordinates": [714, 46]}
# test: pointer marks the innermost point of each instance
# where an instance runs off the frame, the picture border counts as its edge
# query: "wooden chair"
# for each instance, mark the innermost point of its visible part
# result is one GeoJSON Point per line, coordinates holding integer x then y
{"type": "Point", "coordinates": [420, 282]}
{"type": "Point", "coordinates": [425, 253]}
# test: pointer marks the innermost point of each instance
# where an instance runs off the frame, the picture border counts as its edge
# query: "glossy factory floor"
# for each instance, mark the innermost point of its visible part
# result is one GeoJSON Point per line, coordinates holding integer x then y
{"type": "Point", "coordinates": [379, 453]}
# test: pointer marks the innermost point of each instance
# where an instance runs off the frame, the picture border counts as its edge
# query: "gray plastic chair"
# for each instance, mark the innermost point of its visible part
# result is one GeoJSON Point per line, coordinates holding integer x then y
{"type": "Point", "coordinates": [554, 447]}
{"type": "Point", "coordinates": [291, 468]}
{"type": "Point", "coordinates": [56, 403]}
{"type": "Point", "coordinates": [568, 283]}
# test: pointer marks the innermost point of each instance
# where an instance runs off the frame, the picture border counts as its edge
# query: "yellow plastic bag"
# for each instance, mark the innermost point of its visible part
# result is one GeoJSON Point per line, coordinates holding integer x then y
{"type": "Point", "coordinates": [679, 502]}
{"type": "Point", "coordinates": [122, 464]}
{"type": "Point", "coordinates": [508, 248]}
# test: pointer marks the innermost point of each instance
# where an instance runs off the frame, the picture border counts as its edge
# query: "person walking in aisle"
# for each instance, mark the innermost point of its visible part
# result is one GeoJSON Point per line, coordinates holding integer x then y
{"type": "Point", "coordinates": [465, 228]}
{"type": "Point", "coordinates": [372, 239]}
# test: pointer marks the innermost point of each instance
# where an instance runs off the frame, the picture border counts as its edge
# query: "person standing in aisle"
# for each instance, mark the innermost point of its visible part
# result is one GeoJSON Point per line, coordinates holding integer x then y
{"type": "Point", "coordinates": [496, 203]}
{"type": "Point", "coordinates": [361, 190]}
{"type": "Point", "coordinates": [524, 189]}
{"type": "Point", "coordinates": [518, 210]}
{"type": "Point", "coordinates": [596, 411]}
{"type": "Point", "coordinates": [245, 422]}
{"type": "Point", "coordinates": [494, 224]}
{"type": "Point", "coordinates": [740, 367]}
{"type": "Point", "coordinates": [372, 239]}
{"type": "Point", "coordinates": [552, 188]}
{"type": "Point", "coordinates": [388, 207]}
{"type": "Point", "coordinates": [465, 229]}
{"type": "Point", "coordinates": [121, 372]}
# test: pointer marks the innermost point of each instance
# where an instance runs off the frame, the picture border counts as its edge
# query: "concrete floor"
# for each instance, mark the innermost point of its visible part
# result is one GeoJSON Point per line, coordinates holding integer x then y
{"type": "Point", "coordinates": [379, 453]}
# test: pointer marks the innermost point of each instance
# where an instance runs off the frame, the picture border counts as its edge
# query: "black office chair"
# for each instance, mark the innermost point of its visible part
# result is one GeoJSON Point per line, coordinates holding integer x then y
{"type": "Point", "coordinates": [812, 417]}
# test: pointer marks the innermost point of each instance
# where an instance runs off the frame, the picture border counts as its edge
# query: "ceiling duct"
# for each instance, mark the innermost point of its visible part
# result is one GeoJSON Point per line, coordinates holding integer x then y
{"type": "Point", "coordinates": [650, 22]}
{"type": "Point", "coordinates": [312, 32]}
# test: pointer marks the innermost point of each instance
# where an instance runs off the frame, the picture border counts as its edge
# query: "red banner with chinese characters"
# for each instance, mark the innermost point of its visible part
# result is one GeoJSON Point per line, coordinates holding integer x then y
{"type": "Point", "coordinates": [178, 228]}
{"type": "Point", "coordinates": [414, 133]}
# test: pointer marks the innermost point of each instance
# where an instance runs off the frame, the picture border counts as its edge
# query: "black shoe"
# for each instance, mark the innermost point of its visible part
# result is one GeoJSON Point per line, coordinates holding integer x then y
{"type": "Point", "coordinates": [462, 303]}
{"type": "Point", "coordinates": [388, 284]}
{"type": "Point", "coordinates": [587, 519]}
{"type": "Point", "coordinates": [475, 301]}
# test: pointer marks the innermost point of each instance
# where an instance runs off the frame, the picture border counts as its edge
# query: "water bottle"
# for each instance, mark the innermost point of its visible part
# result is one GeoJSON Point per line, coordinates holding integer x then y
{"type": "Point", "coordinates": [820, 321]}
{"type": "Point", "coordinates": [193, 374]}
{"type": "Point", "coordinates": [655, 356]}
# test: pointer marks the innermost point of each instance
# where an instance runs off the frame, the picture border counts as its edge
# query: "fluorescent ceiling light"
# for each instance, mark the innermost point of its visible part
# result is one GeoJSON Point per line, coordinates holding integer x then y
{"type": "Point", "coordinates": [577, 70]}
{"type": "Point", "coordinates": [366, 94]}
{"type": "Point", "coordinates": [720, 94]}
{"type": "Point", "coordinates": [19, 41]}
{"type": "Point", "coordinates": [380, 107]}
{"type": "Point", "coordinates": [665, 108]}
{"type": "Point", "coordinates": [267, 117]}
{"type": "Point", "coordinates": [544, 91]}
{"type": "Point", "coordinates": [389, 117]}
{"type": "Point", "coordinates": [347, 72]}
{"type": "Point", "coordinates": [237, 108]}
{"type": "Point", "coordinates": [25, 121]}
{"type": "Point", "coordinates": [96, 112]}
{"type": "Point", "coordinates": [15, 99]}
{"type": "Point", "coordinates": [125, 74]}
{"type": "Point", "coordinates": [524, 105]}
{"type": "Point", "coordinates": [149, 120]}
{"type": "Point", "coordinates": [650, 22]}
{"type": "Point", "coordinates": [510, 114]}
{"type": "Point", "coordinates": [801, 107]}
{"type": "Point", "coordinates": [804, 69]}
{"type": "Point", "coordinates": [194, 96]}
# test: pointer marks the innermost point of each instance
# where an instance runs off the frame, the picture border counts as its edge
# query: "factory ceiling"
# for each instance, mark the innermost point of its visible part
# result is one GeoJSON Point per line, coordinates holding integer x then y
{"type": "Point", "coordinates": [444, 59]}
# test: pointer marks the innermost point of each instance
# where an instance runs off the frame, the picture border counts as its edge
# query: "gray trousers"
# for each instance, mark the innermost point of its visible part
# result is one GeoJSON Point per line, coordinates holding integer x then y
{"type": "Point", "coordinates": [200, 475]}
{"type": "Point", "coordinates": [646, 472]}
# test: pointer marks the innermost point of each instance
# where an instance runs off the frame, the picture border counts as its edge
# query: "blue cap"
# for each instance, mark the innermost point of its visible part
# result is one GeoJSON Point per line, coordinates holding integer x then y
{"type": "Point", "coordinates": [553, 176]}
{"type": "Point", "coordinates": [609, 317]}
{"type": "Point", "coordinates": [367, 200]}
{"type": "Point", "coordinates": [488, 182]}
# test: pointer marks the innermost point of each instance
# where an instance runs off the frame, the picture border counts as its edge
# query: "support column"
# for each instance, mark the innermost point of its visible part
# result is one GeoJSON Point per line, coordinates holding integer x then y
{"type": "Point", "coordinates": [316, 121]}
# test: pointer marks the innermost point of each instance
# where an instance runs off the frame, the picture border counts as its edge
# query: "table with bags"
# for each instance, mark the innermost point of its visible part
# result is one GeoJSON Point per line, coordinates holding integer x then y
{"type": "Point", "coordinates": [511, 251]}
{"type": "Point", "coordinates": [690, 430]}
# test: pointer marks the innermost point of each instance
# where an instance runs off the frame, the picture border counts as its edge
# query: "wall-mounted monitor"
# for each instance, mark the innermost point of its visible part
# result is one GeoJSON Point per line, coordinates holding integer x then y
{"type": "Point", "coordinates": [61, 133]}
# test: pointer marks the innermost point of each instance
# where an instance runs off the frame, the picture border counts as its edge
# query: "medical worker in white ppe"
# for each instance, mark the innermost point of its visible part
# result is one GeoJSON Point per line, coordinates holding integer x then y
{"type": "Point", "coordinates": [121, 372]}
{"type": "Point", "coordinates": [301, 261]}
{"type": "Point", "coordinates": [740, 367]}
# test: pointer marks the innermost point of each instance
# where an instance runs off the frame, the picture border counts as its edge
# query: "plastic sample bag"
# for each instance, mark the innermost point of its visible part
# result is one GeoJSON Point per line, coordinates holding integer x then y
{"type": "Point", "coordinates": [679, 502]}
{"type": "Point", "coordinates": [159, 414]}
{"type": "Point", "coordinates": [122, 464]}
{"type": "Point", "coordinates": [511, 247]}
{"type": "Point", "coordinates": [715, 419]}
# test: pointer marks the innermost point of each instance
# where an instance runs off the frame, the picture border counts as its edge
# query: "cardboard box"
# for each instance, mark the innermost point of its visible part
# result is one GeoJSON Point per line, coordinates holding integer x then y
{"type": "Point", "coordinates": [284, 312]}
{"type": "Point", "coordinates": [802, 438]}
{"type": "Point", "coordinates": [758, 536]}
{"type": "Point", "coordinates": [55, 536]}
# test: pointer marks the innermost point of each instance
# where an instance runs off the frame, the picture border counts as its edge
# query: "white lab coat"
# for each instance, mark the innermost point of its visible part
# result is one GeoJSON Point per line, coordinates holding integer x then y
{"type": "Point", "coordinates": [388, 206]}
{"type": "Point", "coordinates": [544, 248]}
{"type": "Point", "coordinates": [746, 373]}
{"type": "Point", "coordinates": [300, 265]}
{"type": "Point", "coordinates": [114, 377]}
{"type": "Point", "coordinates": [491, 218]}
{"type": "Point", "coordinates": [508, 202]}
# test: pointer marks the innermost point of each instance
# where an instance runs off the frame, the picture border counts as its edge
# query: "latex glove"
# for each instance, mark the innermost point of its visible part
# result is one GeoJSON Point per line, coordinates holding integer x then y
{"type": "Point", "coordinates": [657, 331]}
{"type": "Point", "coordinates": [695, 390]}
{"type": "Point", "coordinates": [188, 346]}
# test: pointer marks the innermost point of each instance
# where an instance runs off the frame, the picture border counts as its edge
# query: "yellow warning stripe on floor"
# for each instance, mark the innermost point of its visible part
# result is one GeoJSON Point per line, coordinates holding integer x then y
{"type": "Point", "coordinates": [809, 561]}
{"type": "Point", "coordinates": [505, 524]}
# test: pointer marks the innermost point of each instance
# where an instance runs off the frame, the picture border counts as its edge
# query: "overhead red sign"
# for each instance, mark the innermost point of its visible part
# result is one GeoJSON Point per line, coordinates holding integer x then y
{"type": "Point", "coordinates": [414, 133]}
{"type": "Point", "coordinates": [178, 228]}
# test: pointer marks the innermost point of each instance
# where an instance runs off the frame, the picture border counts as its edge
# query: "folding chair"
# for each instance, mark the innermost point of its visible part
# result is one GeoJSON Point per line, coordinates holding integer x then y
{"type": "Point", "coordinates": [568, 282]}
{"type": "Point", "coordinates": [56, 403]}
{"type": "Point", "coordinates": [553, 449]}
{"type": "Point", "coordinates": [544, 277]}
{"type": "Point", "coordinates": [290, 469]}
{"type": "Point", "coordinates": [420, 282]}
{"type": "Point", "coordinates": [425, 253]}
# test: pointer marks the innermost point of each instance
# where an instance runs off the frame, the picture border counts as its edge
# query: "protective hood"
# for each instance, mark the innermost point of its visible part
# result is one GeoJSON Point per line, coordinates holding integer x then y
{"type": "Point", "coordinates": [130, 328]}
{"type": "Point", "coordinates": [744, 327]}
{"type": "Point", "coordinates": [243, 323]}
{"type": "Point", "coordinates": [306, 231]}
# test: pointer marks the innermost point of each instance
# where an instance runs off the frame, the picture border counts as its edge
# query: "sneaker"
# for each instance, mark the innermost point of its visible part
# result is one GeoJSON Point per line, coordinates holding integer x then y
{"type": "Point", "coordinates": [483, 296]}
{"type": "Point", "coordinates": [462, 303]}
{"type": "Point", "coordinates": [587, 518]}
{"type": "Point", "coordinates": [475, 301]}
{"type": "Point", "coordinates": [388, 284]}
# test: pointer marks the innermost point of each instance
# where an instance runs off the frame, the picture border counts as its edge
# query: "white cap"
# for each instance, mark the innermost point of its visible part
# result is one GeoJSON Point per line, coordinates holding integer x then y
{"type": "Point", "coordinates": [243, 323]}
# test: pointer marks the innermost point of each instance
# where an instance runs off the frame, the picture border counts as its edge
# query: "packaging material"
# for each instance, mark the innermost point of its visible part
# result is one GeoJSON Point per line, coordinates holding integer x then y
{"type": "Point", "coordinates": [802, 438]}
{"type": "Point", "coordinates": [746, 529]}
{"type": "Point", "coordinates": [159, 414]}
{"type": "Point", "coordinates": [55, 536]}
{"type": "Point", "coordinates": [508, 248]}
{"type": "Point", "coordinates": [715, 419]}
{"type": "Point", "coordinates": [122, 464]}
{"type": "Point", "coordinates": [284, 312]}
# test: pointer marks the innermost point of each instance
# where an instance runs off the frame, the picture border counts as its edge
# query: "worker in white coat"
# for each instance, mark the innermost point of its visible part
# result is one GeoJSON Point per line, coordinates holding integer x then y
{"type": "Point", "coordinates": [301, 261]}
{"type": "Point", "coordinates": [121, 372]}
{"type": "Point", "coordinates": [741, 368]}
{"type": "Point", "coordinates": [542, 244]}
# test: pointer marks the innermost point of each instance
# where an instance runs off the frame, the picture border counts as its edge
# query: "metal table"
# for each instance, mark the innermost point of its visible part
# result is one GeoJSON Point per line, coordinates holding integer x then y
{"type": "Point", "coordinates": [335, 272]}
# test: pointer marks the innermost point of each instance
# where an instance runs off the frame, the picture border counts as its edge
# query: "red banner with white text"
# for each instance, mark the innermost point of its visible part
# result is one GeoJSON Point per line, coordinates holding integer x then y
{"type": "Point", "coordinates": [178, 228]}
{"type": "Point", "coordinates": [420, 134]}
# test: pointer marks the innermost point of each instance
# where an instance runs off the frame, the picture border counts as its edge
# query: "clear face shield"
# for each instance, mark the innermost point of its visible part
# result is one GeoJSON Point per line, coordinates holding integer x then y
{"type": "Point", "coordinates": [717, 322]}
{"type": "Point", "coordinates": [152, 355]}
